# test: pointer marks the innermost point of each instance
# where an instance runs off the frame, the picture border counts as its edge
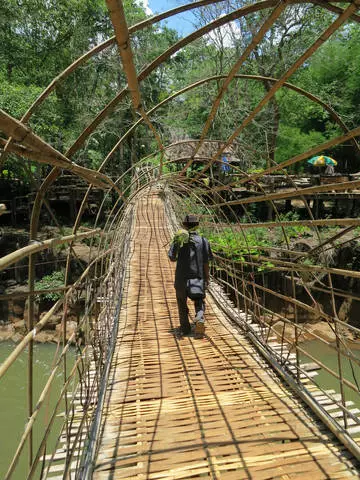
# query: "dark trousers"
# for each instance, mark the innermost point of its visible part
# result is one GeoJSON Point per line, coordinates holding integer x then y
{"type": "Point", "coordinates": [181, 298]}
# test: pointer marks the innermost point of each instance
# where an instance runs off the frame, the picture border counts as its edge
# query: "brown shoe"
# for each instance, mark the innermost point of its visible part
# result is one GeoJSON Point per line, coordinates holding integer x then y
{"type": "Point", "coordinates": [199, 329]}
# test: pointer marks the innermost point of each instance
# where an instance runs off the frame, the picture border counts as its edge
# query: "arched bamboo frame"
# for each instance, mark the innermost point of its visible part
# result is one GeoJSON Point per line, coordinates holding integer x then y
{"type": "Point", "coordinates": [23, 142]}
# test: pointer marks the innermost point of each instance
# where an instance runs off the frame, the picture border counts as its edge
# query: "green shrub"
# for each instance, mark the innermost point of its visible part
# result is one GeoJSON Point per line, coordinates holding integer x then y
{"type": "Point", "coordinates": [48, 282]}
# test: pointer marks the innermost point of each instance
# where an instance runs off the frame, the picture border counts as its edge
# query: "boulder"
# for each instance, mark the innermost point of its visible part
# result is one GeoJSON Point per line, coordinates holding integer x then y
{"type": "Point", "coordinates": [36, 312]}
{"type": "Point", "coordinates": [289, 332]}
{"type": "Point", "coordinates": [6, 332]}
{"type": "Point", "coordinates": [53, 321]}
{"type": "Point", "coordinates": [46, 336]}
{"type": "Point", "coordinates": [17, 337]}
{"type": "Point", "coordinates": [20, 327]}
{"type": "Point", "coordinates": [71, 327]}
{"type": "Point", "coordinates": [323, 330]}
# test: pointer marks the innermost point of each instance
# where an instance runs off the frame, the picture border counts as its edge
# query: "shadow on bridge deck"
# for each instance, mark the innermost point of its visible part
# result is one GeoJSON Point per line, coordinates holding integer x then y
{"type": "Point", "coordinates": [198, 408]}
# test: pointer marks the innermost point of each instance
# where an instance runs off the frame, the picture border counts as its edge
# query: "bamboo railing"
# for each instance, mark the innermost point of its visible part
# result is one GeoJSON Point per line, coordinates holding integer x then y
{"type": "Point", "coordinates": [274, 289]}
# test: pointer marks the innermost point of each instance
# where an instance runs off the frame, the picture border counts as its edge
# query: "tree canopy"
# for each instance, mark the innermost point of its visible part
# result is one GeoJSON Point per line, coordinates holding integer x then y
{"type": "Point", "coordinates": [40, 39]}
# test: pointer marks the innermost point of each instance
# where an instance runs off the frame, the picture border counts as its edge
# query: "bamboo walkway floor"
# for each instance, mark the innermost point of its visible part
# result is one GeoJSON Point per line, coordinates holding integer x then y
{"type": "Point", "coordinates": [186, 408]}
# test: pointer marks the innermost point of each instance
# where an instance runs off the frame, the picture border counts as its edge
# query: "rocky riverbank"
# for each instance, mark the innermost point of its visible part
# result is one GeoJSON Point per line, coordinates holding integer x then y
{"type": "Point", "coordinates": [14, 288]}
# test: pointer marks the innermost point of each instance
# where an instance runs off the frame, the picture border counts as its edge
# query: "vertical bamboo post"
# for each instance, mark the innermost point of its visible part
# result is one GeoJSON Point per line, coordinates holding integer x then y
{"type": "Point", "coordinates": [296, 329]}
{"type": "Point", "coordinates": [246, 308]}
{"type": "Point", "coordinates": [337, 333]}
{"type": "Point", "coordinates": [30, 326]}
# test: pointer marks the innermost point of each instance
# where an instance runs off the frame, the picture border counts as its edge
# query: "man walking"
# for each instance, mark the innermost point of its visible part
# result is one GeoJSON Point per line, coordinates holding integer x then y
{"type": "Point", "coordinates": [193, 254]}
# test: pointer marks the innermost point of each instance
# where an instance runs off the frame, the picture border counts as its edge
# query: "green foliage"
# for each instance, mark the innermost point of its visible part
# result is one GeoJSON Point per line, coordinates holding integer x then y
{"type": "Point", "coordinates": [307, 261]}
{"type": "Point", "coordinates": [38, 40]}
{"type": "Point", "coordinates": [189, 206]}
{"type": "Point", "coordinates": [238, 245]}
{"type": "Point", "coordinates": [247, 245]}
{"type": "Point", "coordinates": [154, 162]}
{"type": "Point", "coordinates": [292, 141]}
{"type": "Point", "coordinates": [290, 231]}
{"type": "Point", "coordinates": [48, 282]}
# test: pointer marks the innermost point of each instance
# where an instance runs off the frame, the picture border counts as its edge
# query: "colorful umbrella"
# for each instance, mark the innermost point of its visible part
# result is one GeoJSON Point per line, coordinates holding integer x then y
{"type": "Point", "coordinates": [322, 160]}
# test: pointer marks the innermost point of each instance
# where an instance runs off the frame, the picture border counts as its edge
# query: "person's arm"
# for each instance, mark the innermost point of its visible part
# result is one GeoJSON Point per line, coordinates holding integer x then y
{"type": "Point", "coordinates": [173, 251]}
{"type": "Point", "coordinates": [206, 273]}
{"type": "Point", "coordinates": [208, 257]}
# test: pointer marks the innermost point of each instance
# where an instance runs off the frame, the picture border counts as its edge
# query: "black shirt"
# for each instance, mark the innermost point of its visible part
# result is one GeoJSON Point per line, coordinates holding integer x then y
{"type": "Point", "coordinates": [191, 258]}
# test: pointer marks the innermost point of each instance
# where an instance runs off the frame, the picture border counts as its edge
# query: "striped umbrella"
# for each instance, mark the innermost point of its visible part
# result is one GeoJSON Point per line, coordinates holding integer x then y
{"type": "Point", "coordinates": [322, 160]}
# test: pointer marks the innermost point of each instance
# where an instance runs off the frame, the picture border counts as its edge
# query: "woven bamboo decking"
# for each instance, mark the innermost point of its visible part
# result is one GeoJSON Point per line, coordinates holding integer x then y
{"type": "Point", "coordinates": [186, 408]}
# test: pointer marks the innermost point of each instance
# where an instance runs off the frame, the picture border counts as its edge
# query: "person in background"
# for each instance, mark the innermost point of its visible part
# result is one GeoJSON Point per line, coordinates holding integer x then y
{"type": "Point", "coordinates": [225, 167]}
{"type": "Point", "coordinates": [329, 170]}
{"type": "Point", "coordinates": [193, 254]}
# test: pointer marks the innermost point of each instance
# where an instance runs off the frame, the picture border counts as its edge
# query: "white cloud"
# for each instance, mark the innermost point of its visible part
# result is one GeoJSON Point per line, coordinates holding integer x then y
{"type": "Point", "coordinates": [145, 5]}
{"type": "Point", "coordinates": [226, 35]}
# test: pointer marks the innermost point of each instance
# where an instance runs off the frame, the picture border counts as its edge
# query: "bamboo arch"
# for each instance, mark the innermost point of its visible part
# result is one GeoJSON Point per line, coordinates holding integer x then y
{"type": "Point", "coordinates": [220, 211]}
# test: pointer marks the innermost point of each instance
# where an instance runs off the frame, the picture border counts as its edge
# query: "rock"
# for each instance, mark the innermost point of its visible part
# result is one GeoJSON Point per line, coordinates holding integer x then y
{"type": "Point", "coordinates": [289, 332]}
{"type": "Point", "coordinates": [17, 337]}
{"type": "Point", "coordinates": [323, 330]}
{"type": "Point", "coordinates": [6, 332]}
{"type": "Point", "coordinates": [344, 310]}
{"type": "Point", "coordinates": [71, 327]}
{"type": "Point", "coordinates": [53, 321]}
{"type": "Point", "coordinates": [20, 327]}
{"type": "Point", "coordinates": [45, 336]}
{"type": "Point", "coordinates": [36, 312]}
{"type": "Point", "coordinates": [15, 305]}
{"type": "Point", "coordinates": [17, 310]}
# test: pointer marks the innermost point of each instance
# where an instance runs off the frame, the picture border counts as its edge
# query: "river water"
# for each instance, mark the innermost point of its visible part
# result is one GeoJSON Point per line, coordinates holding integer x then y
{"type": "Point", "coordinates": [13, 394]}
{"type": "Point", "coordinates": [328, 356]}
{"type": "Point", "coordinates": [13, 403]}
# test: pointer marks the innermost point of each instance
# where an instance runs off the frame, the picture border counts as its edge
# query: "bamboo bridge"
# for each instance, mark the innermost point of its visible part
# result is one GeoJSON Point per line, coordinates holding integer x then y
{"type": "Point", "coordinates": [137, 400]}
{"type": "Point", "coordinates": [181, 407]}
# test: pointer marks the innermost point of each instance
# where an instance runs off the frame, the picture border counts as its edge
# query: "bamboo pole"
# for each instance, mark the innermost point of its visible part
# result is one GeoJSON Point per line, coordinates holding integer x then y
{"type": "Point", "coordinates": [313, 268]}
{"type": "Point", "coordinates": [44, 153]}
{"type": "Point", "coordinates": [338, 351]}
{"type": "Point", "coordinates": [350, 10]}
{"type": "Point", "coordinates": [117, 16]}
{"type": "Point", "coordinates": [30, 326]}
{"type": "Point", "coordinates": [329, 319]}
{"type": "Point", "coordinates": [53, 416]}
{"type": "Point", "coordinates": [166, 55]}
{"type": "Point", "coordinates": [290, 86]}
{"type": "Point", "coordinates": [328, 222]}
{"type": "Point", "coordinates": [141, 25]}
{"type": "Point", "coordinates": [25, 341]}
{"type": "Point", "coordinates": [14, 257]}
{"type": "Point", "coordinates": [295, 193]}
{"type": "Point", "coordinates": [304, 393]}
{"type": "Point", "coordinates": [28, 428]}
{"type": "Point", "coordinates": [304, 328]}
{"type": "Point", "coordinates": [97, 49]}
{"type": "Point", "coordinates": [118, 19]}
{"type": "Point", "coordinates": [113, 103]}
{"type": "Point", "coordinates": [268, 23]}
{"type": "Point", "coordinates": [10, 296]}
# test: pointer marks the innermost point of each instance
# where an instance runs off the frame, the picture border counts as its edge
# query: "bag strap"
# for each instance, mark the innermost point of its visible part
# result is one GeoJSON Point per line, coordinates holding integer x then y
{"type": "Point", "coordinates": [201, 274]}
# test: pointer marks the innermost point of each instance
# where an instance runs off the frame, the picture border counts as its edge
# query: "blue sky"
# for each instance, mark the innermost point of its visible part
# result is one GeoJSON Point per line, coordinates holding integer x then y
{"type": "Point", "coordinates": [182, 22]}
